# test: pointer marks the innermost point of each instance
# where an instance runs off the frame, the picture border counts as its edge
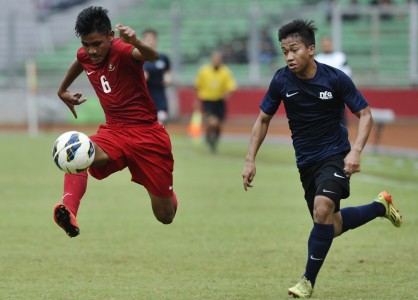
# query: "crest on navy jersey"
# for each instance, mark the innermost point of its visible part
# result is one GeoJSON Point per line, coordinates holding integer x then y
{"type": "Point", "coordinates": [325, 95]}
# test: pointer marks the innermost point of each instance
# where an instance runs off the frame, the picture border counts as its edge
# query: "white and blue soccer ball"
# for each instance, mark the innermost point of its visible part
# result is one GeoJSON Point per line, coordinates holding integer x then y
{"type": "Point", "coordinates": [73, 152]}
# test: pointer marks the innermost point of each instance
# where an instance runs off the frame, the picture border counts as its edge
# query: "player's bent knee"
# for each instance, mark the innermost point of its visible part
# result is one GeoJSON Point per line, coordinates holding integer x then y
{"type": "Point", "coordinates": [101, 157]}
{"type": "Point", "coordinates": [323, 210]}
{"type": "Point", "coordinates": [163, 208]}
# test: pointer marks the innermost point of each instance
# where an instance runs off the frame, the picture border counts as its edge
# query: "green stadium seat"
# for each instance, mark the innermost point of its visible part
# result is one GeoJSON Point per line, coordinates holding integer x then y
{"type": "Point", "coordinates": [200, 34]}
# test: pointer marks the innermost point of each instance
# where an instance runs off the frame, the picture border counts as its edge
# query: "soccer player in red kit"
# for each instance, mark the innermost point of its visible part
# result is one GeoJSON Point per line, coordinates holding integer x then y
{"type": "Point", "coordinates": [132, 136]}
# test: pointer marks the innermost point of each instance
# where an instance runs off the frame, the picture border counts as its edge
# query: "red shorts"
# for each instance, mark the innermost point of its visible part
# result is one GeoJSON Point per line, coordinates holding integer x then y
{"type": "Point", "coordinates": [145, 149]}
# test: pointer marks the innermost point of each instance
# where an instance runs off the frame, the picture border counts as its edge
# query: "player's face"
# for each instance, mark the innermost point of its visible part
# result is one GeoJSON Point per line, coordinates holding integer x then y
{"type": "Point", "coordinates": [216, 59]}
{"type": "Point", "coordinates": [150, 39]}
{"type": "Point", "coordinates": [97, 45]}
{"type": "Point", "coordinates": [326, 45]}
{"type": "Point", "coordinates": [297, 56]}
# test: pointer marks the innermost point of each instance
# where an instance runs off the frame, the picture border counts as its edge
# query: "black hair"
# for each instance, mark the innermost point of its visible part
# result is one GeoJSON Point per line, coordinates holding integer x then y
{"type": "Point", "coordinates": [305, 29]}
{"type": "Point", "coordinates": [92, 19]}
{"type": "Point", "coordinates": [151, 31]}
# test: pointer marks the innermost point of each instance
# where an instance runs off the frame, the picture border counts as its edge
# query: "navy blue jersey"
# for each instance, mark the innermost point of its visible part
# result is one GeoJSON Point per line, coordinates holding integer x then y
{"type": "Point", "coordinates": [156, 70]}
{"type": "Point", "coordinates": [315, 109]}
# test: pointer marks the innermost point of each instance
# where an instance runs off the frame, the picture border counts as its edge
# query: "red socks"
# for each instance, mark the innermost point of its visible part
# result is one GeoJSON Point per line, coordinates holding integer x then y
{"type": "Point", "coordinates": [75, 186]}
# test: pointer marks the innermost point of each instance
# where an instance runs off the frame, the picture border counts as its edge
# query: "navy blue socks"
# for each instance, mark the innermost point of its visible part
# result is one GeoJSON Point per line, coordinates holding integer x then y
{"type": "Point", "coordinates": [322, 235]}
{"type": "Point", "coordinates": [319, 242]}
{"type": "Point", "coordinates": [354, 217]}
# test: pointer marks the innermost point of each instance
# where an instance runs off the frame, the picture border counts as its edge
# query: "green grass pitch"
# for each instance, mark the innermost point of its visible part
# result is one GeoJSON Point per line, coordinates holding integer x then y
{"type": "Point", "coordinates": [224, 243]}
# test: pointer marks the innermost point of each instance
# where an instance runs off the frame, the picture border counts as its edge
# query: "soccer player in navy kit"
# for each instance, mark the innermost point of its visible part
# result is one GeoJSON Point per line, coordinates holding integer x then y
{"type": "Point", "coordinates": [158, 76]}
{"type": "Point", "coordinates": [132, 137]}
{"type": "Point", "coordinates": [314, 96]}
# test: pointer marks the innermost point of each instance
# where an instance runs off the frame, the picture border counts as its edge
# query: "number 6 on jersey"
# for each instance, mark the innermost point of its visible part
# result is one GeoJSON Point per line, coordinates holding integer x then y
{"type": "Point", "coordinates": [105, 84]}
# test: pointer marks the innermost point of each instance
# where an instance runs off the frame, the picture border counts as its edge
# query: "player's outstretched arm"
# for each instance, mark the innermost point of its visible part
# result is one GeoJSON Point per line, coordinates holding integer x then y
{"type": "Point", "coordinates": [258, 134]}
{"type": "Point", "coordinates": [352, 160]}
{"type": "Point", "coordinates": [143, 51]}
{"type": "Point", "coordinates": [71, 99]}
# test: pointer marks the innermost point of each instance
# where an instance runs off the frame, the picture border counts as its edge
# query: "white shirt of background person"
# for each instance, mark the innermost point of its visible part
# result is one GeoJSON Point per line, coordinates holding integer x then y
{"type": "Point", "coordinates": [328, 56]}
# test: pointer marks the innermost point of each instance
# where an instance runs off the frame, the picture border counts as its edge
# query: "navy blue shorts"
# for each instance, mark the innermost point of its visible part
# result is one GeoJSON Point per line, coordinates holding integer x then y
{"type": "Point", "coordinates": [325, 178]}
{"type": "Point", "coordinates": [159, 98]}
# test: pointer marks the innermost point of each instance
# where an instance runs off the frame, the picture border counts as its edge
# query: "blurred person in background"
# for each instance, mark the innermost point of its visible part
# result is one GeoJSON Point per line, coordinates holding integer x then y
{"type": "Point", "coordinates": [132, 136]}
{"type": "Point", "coordinates": [158, 76]}
{"type": "Point", "coordinates": [268, 52]}
{"type": "Point", "coordinates": [352, 14]}
{"type": "Point", "coordinates": [385, 8]}
{"type": "Point", "coordinates": [214, 84]}
{"type": "Point", "coordinates": [329, 56]}
{"type": "Point", "coordinates": [336, 59]}
{"type": "Point", "coordinates": [314, 95]}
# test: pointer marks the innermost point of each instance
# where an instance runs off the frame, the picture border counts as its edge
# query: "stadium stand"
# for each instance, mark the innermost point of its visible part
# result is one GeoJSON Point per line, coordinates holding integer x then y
{"type": "Point", "coordinates": [205, 25]}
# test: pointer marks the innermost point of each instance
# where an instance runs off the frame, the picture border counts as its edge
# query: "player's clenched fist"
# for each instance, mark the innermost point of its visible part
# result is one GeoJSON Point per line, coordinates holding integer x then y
{"type": "Point", "coordinates": [126, 33]}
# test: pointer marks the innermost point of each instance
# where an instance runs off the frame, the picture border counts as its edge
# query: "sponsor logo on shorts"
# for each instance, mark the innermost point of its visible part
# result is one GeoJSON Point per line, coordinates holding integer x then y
{"type": "Point", "coordinates": [327, 191]}
{"type": "Point", "coordinates": [338, 175]}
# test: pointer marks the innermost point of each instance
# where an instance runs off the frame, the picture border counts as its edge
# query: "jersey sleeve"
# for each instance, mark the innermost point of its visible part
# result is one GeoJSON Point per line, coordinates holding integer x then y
{"type": "Point", "coordinates": [81, 56]}
{"type": "Point", "coordinates": [351, 95]}
{"type": "Point", "coordinates": [126, 50]}
{"type": "Point", "coordinates": [230, 84]}
{"type": "Point", "coordinates": [272, 99]}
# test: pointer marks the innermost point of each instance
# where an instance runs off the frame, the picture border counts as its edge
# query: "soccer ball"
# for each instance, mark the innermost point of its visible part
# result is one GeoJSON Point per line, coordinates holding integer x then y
{"type": "Point", "coordinates": [73, 152]}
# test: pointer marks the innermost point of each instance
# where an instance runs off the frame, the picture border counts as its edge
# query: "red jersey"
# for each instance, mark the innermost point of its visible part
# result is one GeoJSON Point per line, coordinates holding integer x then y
{"type": "Point", "coordinates": [120, 84]}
